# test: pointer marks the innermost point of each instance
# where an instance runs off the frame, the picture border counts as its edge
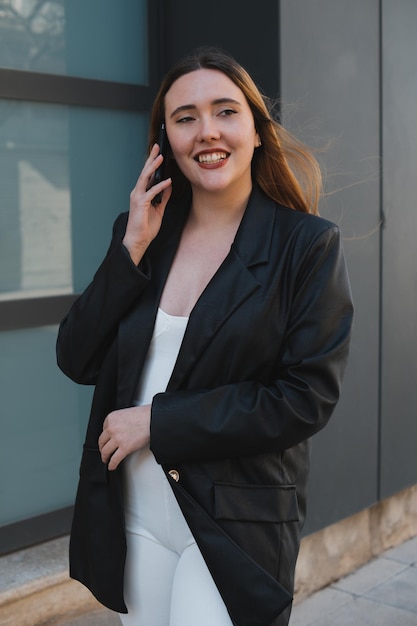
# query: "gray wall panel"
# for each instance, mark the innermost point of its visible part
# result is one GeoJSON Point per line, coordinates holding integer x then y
{"type": "Point", "coordinates": [399, 371]}
{"type": "Point", "coordinates": [330, 92]}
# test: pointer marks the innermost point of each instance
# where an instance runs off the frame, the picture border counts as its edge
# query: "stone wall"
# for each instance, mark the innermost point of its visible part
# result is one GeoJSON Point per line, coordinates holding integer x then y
{"type": "Point", "coordinates": [339, 549]}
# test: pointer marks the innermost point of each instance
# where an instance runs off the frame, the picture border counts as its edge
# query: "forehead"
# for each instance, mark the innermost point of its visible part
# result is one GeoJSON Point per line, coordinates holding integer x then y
{"type": "Point", "coordinates": [200, 87]}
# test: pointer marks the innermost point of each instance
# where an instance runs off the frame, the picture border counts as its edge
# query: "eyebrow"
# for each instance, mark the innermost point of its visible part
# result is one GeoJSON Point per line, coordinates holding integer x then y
{"type": "Point", "coordinates": [187, 107]}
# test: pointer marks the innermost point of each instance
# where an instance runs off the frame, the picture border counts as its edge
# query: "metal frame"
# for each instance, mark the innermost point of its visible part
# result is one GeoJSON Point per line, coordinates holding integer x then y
{"type": "Point", "coordinates": [72, 91]}
{"type": "Point", "coordinates": [35, 530]}
{"type": "Point", "coordinates": [33, 312]}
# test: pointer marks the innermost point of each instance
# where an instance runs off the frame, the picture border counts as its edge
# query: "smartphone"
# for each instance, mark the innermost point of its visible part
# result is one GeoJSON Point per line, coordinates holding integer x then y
{"type": "Point", "coordinates": [160, 173]}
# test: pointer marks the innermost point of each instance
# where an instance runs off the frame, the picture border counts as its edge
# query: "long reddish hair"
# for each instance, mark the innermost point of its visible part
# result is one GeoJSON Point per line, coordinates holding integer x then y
{"type": "Point", "coordinates": [282, 166]}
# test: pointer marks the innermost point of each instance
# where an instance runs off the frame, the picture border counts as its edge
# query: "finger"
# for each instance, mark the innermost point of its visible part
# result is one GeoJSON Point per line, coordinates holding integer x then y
{"type": "Point", "coordinates": [153, 161]}
{"type": "Point", "coordinates": [155, 151]}
{"type": "Point", "coordinates": [160, 192]}
{"type": "Point", "coordinates": [102, 440]}
{"type": "Point", "coordinates": [144, 182]}
{"type": "Point", "coordinates": [108, 450]}
{"type": "Point", "coordinates": [105, 436]}
{"type": "Point", "coordinates": [115, 460]}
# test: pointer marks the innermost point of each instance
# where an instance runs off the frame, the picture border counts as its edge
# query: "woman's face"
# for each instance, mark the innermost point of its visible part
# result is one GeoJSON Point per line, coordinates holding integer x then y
{"type": "Point", "coordinates": [211, 130]}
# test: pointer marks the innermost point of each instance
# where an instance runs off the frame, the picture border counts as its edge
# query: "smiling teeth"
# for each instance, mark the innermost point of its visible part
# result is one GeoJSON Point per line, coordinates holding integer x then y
{"type": "Point", "coordinates": [212, 158]}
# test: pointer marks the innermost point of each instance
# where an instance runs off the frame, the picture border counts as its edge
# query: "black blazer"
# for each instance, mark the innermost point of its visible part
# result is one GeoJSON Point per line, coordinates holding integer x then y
{"type": "Point", "coordinates": [258, 373]}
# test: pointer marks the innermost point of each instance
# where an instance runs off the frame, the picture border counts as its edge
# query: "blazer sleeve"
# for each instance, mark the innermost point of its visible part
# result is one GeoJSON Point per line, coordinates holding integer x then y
{"type": "Point", "coordinates": [87, 331]}
{"type": "Point", "coordinates": [248, 417]}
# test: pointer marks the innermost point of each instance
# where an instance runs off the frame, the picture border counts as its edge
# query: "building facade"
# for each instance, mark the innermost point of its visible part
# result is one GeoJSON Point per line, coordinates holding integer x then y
{"type": "Point", "coordinates": [77, 78]}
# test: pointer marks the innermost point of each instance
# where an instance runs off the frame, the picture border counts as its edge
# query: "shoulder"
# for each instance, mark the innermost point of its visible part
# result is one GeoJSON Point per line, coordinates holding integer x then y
{"type": "Point", "coordinates": [270, 230]}
{"type": "Point", "coordinates": [306, 239]}
{"type": "Point", "coordinates": [305, 224]}
{"type": "Point", "coordinates": [288, 220]}
{"type": "Point", "coordinates": [291, 231]}
{"type": "Point", "coordinates": [304, 235]}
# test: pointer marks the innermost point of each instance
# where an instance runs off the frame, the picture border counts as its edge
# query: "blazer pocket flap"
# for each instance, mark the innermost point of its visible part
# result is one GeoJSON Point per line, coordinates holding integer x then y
{"type": "Point", "coordinates": [92, 467]}
{"type": "Point", "coordinates": [256, 503]}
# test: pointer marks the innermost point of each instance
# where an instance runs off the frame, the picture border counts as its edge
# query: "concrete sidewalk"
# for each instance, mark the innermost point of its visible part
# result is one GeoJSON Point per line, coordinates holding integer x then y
{"type": "Point", "coordinates": [381, 593]}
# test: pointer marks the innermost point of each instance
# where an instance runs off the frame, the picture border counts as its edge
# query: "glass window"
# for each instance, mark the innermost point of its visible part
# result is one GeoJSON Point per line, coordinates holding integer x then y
{"type": "Point", "coordinates": [42, 429]}
{"type": "Point", "coordinates": [35, 220]}
{"type": "Point", "coordinates": [66, 174]}
{"type": "Point", "coordinates": [100, 39]}
{"type": "Point", "coordinates": [106, 156]}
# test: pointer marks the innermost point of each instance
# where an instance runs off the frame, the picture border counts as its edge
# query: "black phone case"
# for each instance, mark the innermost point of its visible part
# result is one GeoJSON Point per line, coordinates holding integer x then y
{"type": "Point", "coordinates": [160, 173]}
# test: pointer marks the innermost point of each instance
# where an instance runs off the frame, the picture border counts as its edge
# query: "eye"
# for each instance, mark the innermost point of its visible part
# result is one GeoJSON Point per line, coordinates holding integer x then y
{"type": "Point", "coordinates": [185, 119]}
{"type": "Point", "coordinates": [227, 112]}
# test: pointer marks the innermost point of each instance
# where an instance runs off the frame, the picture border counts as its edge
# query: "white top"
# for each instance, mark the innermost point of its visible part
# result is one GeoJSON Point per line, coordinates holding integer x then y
{"type": "Point", "coordinates": [163, 352]}
{"type": "Point", "coordinates": [150, 505]}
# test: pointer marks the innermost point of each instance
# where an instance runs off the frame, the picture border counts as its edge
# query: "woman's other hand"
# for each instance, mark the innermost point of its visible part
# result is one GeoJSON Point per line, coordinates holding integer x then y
{"type": "Point", "coordinates": [145, 218]}
{"type": "Point", "coordinates": [124, 431]}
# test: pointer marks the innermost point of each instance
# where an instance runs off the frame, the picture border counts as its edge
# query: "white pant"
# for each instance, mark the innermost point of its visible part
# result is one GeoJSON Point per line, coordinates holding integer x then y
{"type": "Point", "coordinates": [167, 582]}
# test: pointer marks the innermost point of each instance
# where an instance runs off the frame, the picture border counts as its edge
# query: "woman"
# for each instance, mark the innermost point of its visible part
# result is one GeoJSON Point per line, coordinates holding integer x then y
{"type": "Point", "coordinates": [216, 332]}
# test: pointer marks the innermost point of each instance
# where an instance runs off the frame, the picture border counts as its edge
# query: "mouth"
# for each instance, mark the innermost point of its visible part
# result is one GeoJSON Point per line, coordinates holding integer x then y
{"type": "Point", "coordinates": [211, 157]}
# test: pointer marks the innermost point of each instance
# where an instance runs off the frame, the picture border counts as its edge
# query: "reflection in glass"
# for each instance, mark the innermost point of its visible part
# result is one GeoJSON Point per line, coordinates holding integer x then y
{"type": "Point", "coordinates": [102, 39]}
{"type": "Point", "coordinates": [35, 223]}
{"type": "Point", "coordinates": [32, 35]}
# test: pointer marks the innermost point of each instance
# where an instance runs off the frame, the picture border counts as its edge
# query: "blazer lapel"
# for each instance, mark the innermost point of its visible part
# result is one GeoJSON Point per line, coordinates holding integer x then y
{"type": "Point", "coordinates": [232, 284]}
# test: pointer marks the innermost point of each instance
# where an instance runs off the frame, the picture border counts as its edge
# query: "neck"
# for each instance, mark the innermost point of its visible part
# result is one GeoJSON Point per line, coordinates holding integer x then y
{"type": "Point", "coordinates": [214, 209]}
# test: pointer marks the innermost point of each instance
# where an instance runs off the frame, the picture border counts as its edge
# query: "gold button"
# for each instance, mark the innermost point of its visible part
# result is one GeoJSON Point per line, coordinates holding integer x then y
{"type": "Point", "coordinates": [175, 475]}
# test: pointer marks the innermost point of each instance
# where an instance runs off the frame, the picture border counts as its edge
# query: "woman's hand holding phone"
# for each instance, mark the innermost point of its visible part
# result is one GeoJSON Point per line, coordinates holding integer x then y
{"type": "Point", "coordinates": [145, 215]}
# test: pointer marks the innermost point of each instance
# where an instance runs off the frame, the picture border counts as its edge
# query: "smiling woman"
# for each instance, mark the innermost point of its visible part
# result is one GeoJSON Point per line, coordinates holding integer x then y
{"type": "Point", "coordinates": [216, 331]}
{"type": "Point", "coordinates": [285, 169]}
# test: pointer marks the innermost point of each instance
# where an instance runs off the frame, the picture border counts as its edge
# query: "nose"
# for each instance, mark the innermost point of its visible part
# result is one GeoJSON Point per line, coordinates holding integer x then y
{"type": "Point", "coordinates": [208, 130]}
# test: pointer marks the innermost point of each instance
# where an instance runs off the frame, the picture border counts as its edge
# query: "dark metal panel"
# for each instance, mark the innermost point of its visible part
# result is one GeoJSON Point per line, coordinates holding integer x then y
{"type": "Point", "coordinates": [399, 339]}
{"type": "Point", "coordinates": [33, 312]}
{"type": "Point", "coordinates": [36, 87]}
{"type": "Point", "coordinates": [35, 530]}
{"type": "Point", "coordinates": [330, 93]}
{"type": "Point", "coordinates": [249, 34]}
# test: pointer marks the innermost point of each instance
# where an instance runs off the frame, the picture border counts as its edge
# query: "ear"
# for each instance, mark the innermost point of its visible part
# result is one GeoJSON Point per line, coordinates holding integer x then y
{"type": "Point", "coordinates": [258, 141]}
